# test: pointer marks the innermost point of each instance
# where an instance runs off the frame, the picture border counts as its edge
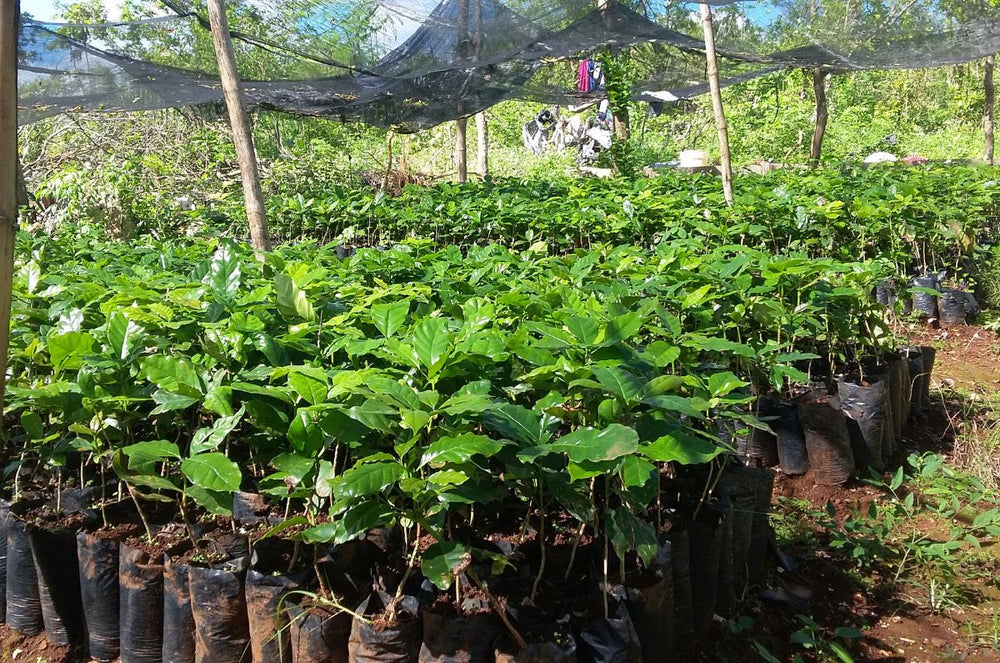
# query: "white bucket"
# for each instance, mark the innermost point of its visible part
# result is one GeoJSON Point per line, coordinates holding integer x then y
{"type": "Point", "coordinates": [693, 158]}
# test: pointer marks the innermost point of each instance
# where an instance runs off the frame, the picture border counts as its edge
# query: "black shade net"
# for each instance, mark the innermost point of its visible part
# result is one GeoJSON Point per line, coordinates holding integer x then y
{"type": "Point", "coordinates": [413, 64]}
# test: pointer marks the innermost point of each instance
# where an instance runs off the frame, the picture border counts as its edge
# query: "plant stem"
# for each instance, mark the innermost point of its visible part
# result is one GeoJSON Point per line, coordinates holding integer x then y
{"type": "Point", "coordinates": [501, 612]}
{"type": "Point", "coordinates": [541, 542]}
{"type": "Point", "coordinates": [572, 553]}
{"type": "Point", "coordinates": [323, 588]}
{"type": "Point", "coordinates": [142, 516]}
{"type": "Point", "coordinates": [187, 523]}
{"type": "Point", "coordinates": [409, 566]}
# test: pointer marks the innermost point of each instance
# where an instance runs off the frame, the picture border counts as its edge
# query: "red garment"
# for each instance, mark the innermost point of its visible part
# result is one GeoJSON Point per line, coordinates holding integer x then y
{"type": "Point", "coordinates": [583, 76]}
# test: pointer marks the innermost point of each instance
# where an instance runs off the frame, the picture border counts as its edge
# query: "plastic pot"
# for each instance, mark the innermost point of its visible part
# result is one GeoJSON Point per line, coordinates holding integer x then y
{"type": "Point", "coordinates": [827, 438]}
{"type": "Point", "coordinates": [761, 535]}
{"type": "Point", "coordinates": [140, 601]}
{"type": "Point", "coordinates": [680, 562]}
{"type": "Point", "coordinates": [267, 585]}
{"type": "Point", "coordinates": [610, 640]}
{"type": "Point", "coordinates": [865, 408]}
{"type": "Point", "coordinates": [178, 617]}
{"type": "Point", "coordinates": [651, 608]}
{"type": "Point", "coordinates": [791, 442]}
{"type": "Point", "coordinates": [219, 608]}
{"type": "Point", "coordinates": [58, 584]}
{"type": "Point", "coordinates": [926, 304]}
{"type": "Point", "coordinates": [319, 635]}
{"type": "Point", "coordinates": [24, 607]}
{"type": "Point", "coordinates": [396, 642]}
{"type": "Point", "coordinates": [98, 559]}
{"type": "Point", "coordinates": [4, 523]}
{"type": "Point", "coordinates": [459, 638]}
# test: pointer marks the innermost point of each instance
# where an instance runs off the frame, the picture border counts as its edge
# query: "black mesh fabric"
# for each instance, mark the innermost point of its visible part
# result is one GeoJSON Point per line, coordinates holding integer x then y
{"type": "Point", "coordinates": [411, 64]}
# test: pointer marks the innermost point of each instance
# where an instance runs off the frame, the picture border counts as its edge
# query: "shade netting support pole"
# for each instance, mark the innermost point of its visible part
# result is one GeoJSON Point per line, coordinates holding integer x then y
{"type": "Point", "coordinates": [10, 12]}
{"type": "Point", "coordinates": [988, 109]}
{"type": "Point", "coordinates": [482, 144]}
{"type": "Point", "coordinates": [232, 90]}
{"type": "Point", "coordinates": [822, 115]}
{"type": "Point", "coordinates": [461, 149]}
{"type": "Point", "coordinates": [720, 116]}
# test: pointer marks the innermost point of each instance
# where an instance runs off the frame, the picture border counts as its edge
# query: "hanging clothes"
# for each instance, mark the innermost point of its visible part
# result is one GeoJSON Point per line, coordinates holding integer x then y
{"type": "Point", "coordinates": [583, 76]}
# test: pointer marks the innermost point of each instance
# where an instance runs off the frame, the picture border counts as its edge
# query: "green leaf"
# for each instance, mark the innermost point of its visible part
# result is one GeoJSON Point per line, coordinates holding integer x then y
{"type": "Point", "coordinates": [721, 384]}
{"type": "Point", "coordinates": [459, 449]}
{"type": "Point", "coordinates": [388, 318]}
{"type": "Point", "coordinates": [585, 330]}
{"type": "Point", "coordinates": [639, 479]}
{"type": "Point", "coordinates": [176, 374]}
{"type": "Point", "coordinates": [477, 313]}
{"type": "Point", "coordinates": [842, 654]}
{"type": "Point", "coordinates": [680, 448]}
{"type": "Point", "coordinates": [305, 435]}
{"type": "Point", "coordinates": [168, 401]}
{"type": "Point", "coordinates": [144, 453]}
{"type": "Point", "coordinates": [897, 479]}
{"type": "Point", "coordinates": [208, 438]}
{"type": "Point", "coordinates": [213, 471]}
{"type": "Point", "coordinates": [680, 404]}
{"type": "Point", "coordinates": [620, 383]}
{"type": "Point", "coordinates": [32, 424]}
{"type": "Point", "coordinates": [292, 301]}
{"type": "Point", "coordinates": [123, 335]}
{"type": "Point", "coordinates": [695, 298]}
{"type": "Point", "coordinates": [431, 341]}
{"type": "Point", "coordinates": [622, 328]}
{"type": "Point", "coordinates": [520, 424]}
{"type": "Point", "coordinates": [629, 533]}
{"type": "Point", "coordinates": [224, 273]}
{"type": "Point", "coordinates": [442, 561]}
{"type": "Point", "coordinates": [358, 520]}
{"type": "Point", "coordinates": [367, 479]}
{"type": "Point", "coordinates": [590, 444]}
{"type": "Point", "coordinates": [848, 633]}
{"type": "Point", "coordinates": [215, 502]}
{"type": "Point", "coordinates": [67, 350]}
{"type": "Point", "coordinates": [309, 383]}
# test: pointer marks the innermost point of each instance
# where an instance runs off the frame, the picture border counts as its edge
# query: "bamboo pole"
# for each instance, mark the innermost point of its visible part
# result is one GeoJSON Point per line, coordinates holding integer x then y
{"type": "Point", "coordinates": [720, 115]}
{"type": "Point", "coordinates": [988, 110]}
{"type": "Point", "coordinates": [240, 121]}
{"type": "Point", "coordinates": [10, 12]}
{"type": "Point", "coordinates": [822, 115]}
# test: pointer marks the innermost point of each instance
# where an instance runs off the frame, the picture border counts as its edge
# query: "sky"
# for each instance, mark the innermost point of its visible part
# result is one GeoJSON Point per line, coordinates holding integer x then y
{"type": "Point", "coordinates": [43, 10]}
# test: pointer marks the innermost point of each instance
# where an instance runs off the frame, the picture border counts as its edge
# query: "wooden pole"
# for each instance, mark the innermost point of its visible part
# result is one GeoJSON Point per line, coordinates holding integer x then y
{"type": "Point", "coordinates": [483, 144]}
{"type": "Point", "coordinates": [822, 114]}
{"type": "Point", "coordinates": [720, 115]}
{"type": "Point", "coordinates": [988, 111]}
{"type": "Point", "coordinates": [240, 121]}
{"type": "Point", "coordinates": [10, 12]}
{"type": "Point", "coordinates": [461, 152]}
{"type": "Point", "coordinates": [462, 124]}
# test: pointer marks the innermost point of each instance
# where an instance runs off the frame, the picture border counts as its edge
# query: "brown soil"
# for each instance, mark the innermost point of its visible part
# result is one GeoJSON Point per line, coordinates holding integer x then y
{"type": "Point", "coordinates": [165, 537]}
{"type": "Point", "coordinates": [15, 646]}
{"type": "Point", "coordinates": [826, 585]}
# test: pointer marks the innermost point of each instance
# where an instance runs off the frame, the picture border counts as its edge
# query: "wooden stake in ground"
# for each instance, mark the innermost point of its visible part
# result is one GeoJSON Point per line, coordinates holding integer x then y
{"type": "Point", "coordinates": [988, 112]}
{"type": "Point", "coordinates": [10, 12]}
{"type": "Point", "coordinates": [482, 144]}
{"type": "Point", "coordinates": [822, 115]}
{"type": "Point", "coordinates": [242, 136]}
{"type": "Point", "coordinates": [720, 115]}
{"type": "Point", "coordinates": [461, 151]}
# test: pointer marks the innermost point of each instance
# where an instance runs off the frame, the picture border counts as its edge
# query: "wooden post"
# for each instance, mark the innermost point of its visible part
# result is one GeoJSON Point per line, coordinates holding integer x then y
{"type": "Point", "coordinates": [720, 115]}
{"type": "Point", "coordinates": [822, 114]}
{"type": "Point", "coordinates": [10, 13]}
{"type": "Point", "coordinates": [483, 144]}
{"type": "Point", "coordinates": [461, 152]}
{"type": "Point", "coordinates": [242, 136]}
{"type": "Point", "coordinates": [462, 124]}
{"type": "Point", "coordinates": [988, 111]}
